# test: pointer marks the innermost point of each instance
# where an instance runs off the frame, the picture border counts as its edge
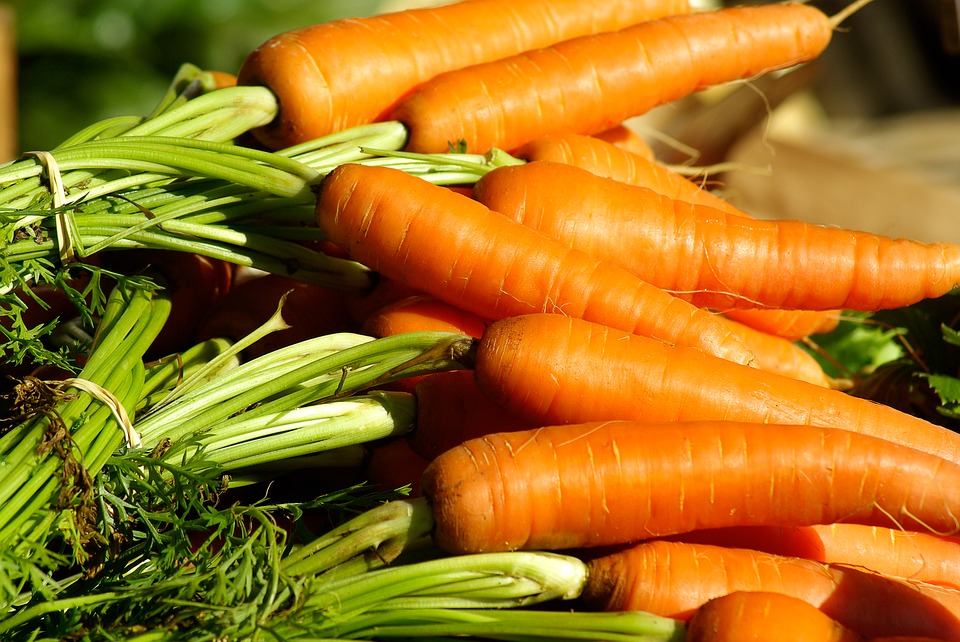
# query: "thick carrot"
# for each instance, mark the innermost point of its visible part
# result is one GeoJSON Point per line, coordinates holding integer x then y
{"type": "Point", "coordinates": [550, 369]}
{"type": "Point", "coordinates": [348, 72]}
{"type": "Point", "coordinates": [452, 409]}
{"type": "Point", "coordinates": [591, 83]}
{"type": "Point", "coordinates": [422, 312]}
{"type": "Point", "coordinates": [934, 559]}
{"type": "Point", "coordinates": [674, 579]}
{"type": "Point", "coordinates": [715, 259]}
{"type": "Point", "coordinates": [602, 158]}
{"type": "Point", "coordinates": [615, 482]}
{"type": "Point", "coordinates": [448, 245]}
{"type": "Point", "coordinates": [764, 616]}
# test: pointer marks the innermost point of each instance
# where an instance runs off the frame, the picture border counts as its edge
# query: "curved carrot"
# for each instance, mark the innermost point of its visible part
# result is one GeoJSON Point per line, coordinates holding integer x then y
{"type": "Point", "coordinates": [789, 324]}
{"type": "Point", "coordinates": [348, 72]}
{"type": "Point", "coordinates": [591, 83]}
{"type": "Point", "coordinates": [674, 579]}
{"type": "Point", "coordinates": [925, 557]}
{"type": "Point", "coordinates": [448, 245]}
{"type": "Point", "coordinates": [614, 482]}
{"type": "Point", "coordinates": [764, 616]}
{"type": "Point", "coordinates": [422, 312]}
{"type": "Point", "coordinates": [551, 369]}
{"type": "Point", "coordinates": [451, 409]}
{"type": "Point", "coordinates": [715, 259]}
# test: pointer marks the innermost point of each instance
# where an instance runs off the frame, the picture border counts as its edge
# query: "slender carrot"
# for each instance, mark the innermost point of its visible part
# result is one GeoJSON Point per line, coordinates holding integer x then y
{"type": "Point", "coordinates": [602, 158]}
{"type": "Point", "coordinates": [925, 557]}
{"type": "Point", "coordinates": [422, 312]}
{"type": "Point", "coordinates": [614, 482]}
{"type": "Point", "coordinates": [447, 245]}
{"type": "Point", "coordinates": [764, 616]}
{"type": "Point", "coordinates": [675, 579]}
{"type": "Point", "coordinates": [452, 409]}
{"type": "Point", "coordinates": [551, 369]}
{"type": "Point", "coordinates": [591, 83]}
{"type": "Point", "coordinates": [715, 259]}
{"type": "Point", "coordinates": [332, 76]}
{"type": "Point", "coordinates": [788, 324]}
{"type": "Point", "coordinates": [623, 137]}
{"type": "Point", "coordinates": [384, 292]}
{"type": "Point", "coordinates": [781, 356]}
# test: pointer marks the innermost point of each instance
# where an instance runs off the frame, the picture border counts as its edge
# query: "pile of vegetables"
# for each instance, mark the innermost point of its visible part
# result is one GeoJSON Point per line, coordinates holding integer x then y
{"type": "Point", "coordinates": [402, 335]}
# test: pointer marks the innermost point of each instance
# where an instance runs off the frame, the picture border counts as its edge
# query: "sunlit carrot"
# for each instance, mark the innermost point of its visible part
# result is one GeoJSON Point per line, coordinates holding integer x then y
{"type": "Point", "coordinates": [551, 369]}
{"type": "Point", "coordinates": [335, 75]}
{"type": "Point", "coordinates": [592, 83]}
{"type": "Point", "coordinates": [675, 579]}
{"type": "Point", "coordinates": [448, 245]}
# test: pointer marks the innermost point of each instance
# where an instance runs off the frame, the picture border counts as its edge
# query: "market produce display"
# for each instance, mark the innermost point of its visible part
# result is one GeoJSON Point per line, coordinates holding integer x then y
{"type": "Point", "coordinates": [402, 332]}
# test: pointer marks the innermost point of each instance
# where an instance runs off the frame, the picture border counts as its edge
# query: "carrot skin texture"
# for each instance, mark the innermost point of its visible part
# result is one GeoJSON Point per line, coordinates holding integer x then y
{"type": "Point", "coordinates": [674, 579]}
{"type": "Point", "coordinates": [792, 325]}
{"type": "Point", "coordinates": [626, 139]}
{"type": "Point", "coordinates": [422, 312]}
{"type": "Point", "coordinates": [352, 71]}
{"type": "Point", "coordinates": [448, 245]}
{"type": "Point", "coordinates": [764, 616]}
{"type": "Point", "coordinates": [550, 369]}
{"type": "Point", "coordinates": [607, 483]}
{"type": "Point", "coordinates": [716, 259]}
{"type": "Point", "coordinates": [592, 83]}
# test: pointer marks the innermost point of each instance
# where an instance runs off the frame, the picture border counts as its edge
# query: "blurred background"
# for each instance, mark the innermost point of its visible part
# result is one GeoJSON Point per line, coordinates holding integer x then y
{"type": "Point", "coordinates": [878, 110]}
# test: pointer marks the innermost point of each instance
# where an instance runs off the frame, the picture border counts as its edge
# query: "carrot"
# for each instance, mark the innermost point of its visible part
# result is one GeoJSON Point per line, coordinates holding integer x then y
{"type": "Point", "coordinates": [764, 616]}
{"type": "Point", "coordinates": [451, 409]}
{"type": "Point", "coordinates": [447, 245]}
{"type": "Point", "coordinates": [934, 559]}
{"type": "Point", "coordinates": [718, 260]}
{"type": "Point", "coordinates": [614, 482]}
{"type": "Point", "coordinates": [592, 83]}
{"type": "Point", "coordinates": [550, 369]}
{"type": "Point", "coordinates": [422, 312]}
{"type": "Point", "coordinates": [788, 324]}
{"type": "Point", "coordinates": [674, 579]}
{"type": "Point", "coordinates": [602, 158]}
{"type": "Point", "coordinates": [626, 139]}
{"type": "Point", "coordinates": [332, 76]}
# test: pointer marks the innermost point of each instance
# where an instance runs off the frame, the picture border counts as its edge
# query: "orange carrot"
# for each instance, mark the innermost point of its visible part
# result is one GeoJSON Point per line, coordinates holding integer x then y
{"type": "Point", "coordinates": [934, 559]}
{"type": "Point", "coordinates": [422, 312]}
{"type": "Point", "coordinates": [626, 139]}
{"type": "Point", "coordinates": [614, 482]}
{"type": "Point", "coordinates": [674, 579]}
{"type": "Point", "coordinates": [447, 245]}
{"type": "Point", "coordinates": [348, 72]}
{"type": "Point", "coordinates": [789, 324]}
{"type": "Point", "coordinates": [602, 158]}
{"type": "Point", "coordinates": [550, 369]}
{"type": "Point", "coordinates": [764, 616]}
{"type": "Point", "coordinates": [715, 259]}
{"type": "Point", "coordinates": [592, 83]}
{"type": "Point", "coordinates": [451, 409]}
{"type": "Point", "coordinates": [611, 161]}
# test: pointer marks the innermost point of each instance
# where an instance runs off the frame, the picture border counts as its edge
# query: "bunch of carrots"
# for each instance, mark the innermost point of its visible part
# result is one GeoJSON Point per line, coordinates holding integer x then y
{"type": "Point", "coordinates": [636, 393]}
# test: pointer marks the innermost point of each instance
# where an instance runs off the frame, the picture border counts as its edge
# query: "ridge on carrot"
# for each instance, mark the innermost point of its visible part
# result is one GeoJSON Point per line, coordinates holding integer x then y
{"type": "Point", "coordinates": [445, 244]}
{"type": "Point", "coordinates": [335, 75]}
{"type": "Point", "coordinates": [592, 83]}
